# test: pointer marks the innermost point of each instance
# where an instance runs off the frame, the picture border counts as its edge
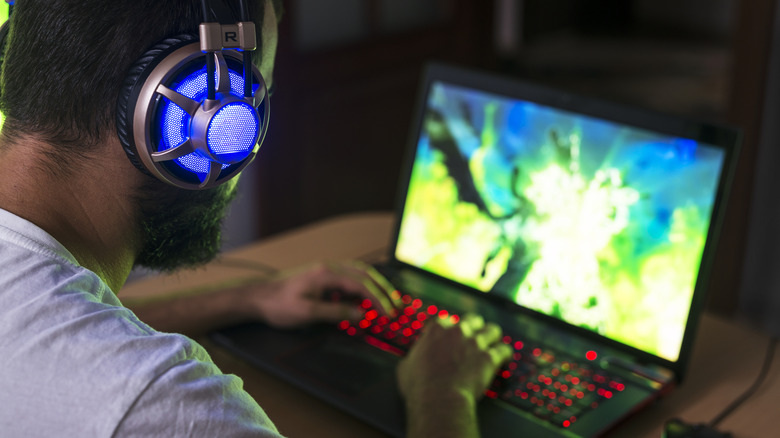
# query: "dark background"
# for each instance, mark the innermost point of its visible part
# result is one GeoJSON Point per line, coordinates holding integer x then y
{"type": "Point", "coordinates": [347, 73]}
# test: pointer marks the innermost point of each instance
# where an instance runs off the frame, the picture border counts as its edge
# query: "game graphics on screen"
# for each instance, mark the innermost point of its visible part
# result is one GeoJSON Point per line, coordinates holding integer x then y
{"type": "Point", "coordinates": [588, 221]}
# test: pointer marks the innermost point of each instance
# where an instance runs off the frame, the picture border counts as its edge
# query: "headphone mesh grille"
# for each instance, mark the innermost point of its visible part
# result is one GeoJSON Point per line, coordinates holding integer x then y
{"type": "Point", "coordinates": [176, 122]}
{"type": "Point", "coordinates": [232, 131]}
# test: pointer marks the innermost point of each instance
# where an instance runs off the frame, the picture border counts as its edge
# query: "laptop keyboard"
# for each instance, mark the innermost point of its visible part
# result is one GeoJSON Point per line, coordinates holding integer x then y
{"type": "Point", "coordinates": [537, 379]}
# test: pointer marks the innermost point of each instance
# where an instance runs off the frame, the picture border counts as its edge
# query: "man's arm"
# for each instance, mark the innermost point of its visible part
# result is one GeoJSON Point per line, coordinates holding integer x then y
{"type": "Point", "coordinates": [292, 299]}
{"type": "Point", "coordinates": [441, 379]}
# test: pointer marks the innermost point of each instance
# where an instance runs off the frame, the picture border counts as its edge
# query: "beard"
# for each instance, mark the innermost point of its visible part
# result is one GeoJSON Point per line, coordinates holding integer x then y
{"type": "Point", "coordinates": [180, 228]}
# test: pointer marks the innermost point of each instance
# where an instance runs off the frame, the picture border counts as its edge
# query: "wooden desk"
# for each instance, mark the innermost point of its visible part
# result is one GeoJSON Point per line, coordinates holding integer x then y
{"type": "Point", "coordinates": [726, 359]}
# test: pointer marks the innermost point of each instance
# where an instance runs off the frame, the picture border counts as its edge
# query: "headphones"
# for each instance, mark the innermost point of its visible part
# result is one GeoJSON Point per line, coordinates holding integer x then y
{"type": "Point", "coordinates": [182, 128]}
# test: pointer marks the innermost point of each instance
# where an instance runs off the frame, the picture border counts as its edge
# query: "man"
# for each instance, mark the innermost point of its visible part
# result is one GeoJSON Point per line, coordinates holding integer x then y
{"type": "Point", "coordinates": [76, 216]}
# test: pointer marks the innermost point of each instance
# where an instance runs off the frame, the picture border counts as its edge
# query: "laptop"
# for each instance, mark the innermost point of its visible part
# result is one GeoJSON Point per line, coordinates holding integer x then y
{"type": "Point", "coordinates": [585, 229]}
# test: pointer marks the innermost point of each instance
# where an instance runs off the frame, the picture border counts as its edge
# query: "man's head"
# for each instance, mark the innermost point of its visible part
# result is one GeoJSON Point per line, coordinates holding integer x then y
{"type": "Point", "coordinates": [64, 64]}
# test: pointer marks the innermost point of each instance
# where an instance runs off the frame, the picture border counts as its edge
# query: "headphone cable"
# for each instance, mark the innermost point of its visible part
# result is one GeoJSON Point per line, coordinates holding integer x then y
{"type": "Point", "coordinates": [210, 66]}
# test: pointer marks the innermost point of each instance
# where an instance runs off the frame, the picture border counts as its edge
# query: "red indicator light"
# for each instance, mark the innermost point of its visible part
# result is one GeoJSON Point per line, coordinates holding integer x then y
{"type": "Point", "coordinates": [417, 303]}
{"type": "Point", "coordinates": [371, 314]}
{"type": "Point", "coordinates": [608, 394]}
{"type": "Point", "coordinates": [366, 303]}
{"type": "Point", "coordinates": [566, 423]}
{"type": "Point", "coordinates": [591, 355]}
{"type": "Point", "coordinates": [443, 314]}
{"type": "Point", "coordinates": [518, 345]}
{"type": "Point", "coordinates": [432, 310]}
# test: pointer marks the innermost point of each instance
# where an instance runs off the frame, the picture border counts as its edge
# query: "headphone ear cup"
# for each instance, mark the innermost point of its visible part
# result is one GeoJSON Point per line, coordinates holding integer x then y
{"type": "Point", "coordinates": [131, 87]}
{"type": "Point", "coordinates": [171, 131]}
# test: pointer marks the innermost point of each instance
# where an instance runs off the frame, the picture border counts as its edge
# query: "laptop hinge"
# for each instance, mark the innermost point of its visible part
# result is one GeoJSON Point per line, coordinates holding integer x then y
{"type": "Point", "coordinates": [655, 376]}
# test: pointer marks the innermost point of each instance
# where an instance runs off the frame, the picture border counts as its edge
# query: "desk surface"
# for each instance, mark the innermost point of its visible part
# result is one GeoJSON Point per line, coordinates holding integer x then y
{"type": "Point", "coordinates": [726, 359]}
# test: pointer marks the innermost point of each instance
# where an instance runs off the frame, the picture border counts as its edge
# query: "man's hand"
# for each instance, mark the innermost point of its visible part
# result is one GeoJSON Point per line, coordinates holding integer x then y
{"type": "Point", "coordinates": [446, 372]}
{"type": "Point", "coordinates": [300, 297]}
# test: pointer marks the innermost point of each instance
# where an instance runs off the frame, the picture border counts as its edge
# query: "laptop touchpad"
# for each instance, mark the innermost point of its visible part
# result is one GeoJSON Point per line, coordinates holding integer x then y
{"type": "Point", "coordinates": [345, 364]}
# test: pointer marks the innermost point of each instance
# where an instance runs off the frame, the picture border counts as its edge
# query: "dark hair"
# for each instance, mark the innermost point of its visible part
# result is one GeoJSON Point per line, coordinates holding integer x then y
{"type": "Point", "coordinates": [65, 61]}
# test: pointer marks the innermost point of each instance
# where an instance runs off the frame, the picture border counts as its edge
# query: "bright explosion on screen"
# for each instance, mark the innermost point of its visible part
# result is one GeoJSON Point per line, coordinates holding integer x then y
{"type": "Point", "coordinates": [595, 223]}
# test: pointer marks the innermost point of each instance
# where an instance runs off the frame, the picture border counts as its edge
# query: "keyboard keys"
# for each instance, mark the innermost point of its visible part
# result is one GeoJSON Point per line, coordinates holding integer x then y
{"type": "Point", "coordinates": [537, 379]}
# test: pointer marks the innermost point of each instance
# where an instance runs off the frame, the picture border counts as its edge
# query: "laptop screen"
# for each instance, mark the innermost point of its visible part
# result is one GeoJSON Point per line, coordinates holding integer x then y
{"type": "Point", "coordinates": [596, 223]}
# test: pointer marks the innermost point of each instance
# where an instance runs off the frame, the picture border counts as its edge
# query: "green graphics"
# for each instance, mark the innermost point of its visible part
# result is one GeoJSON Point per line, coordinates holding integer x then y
{"type": "Point", "coordinates": [3, 19]}
{"type": "Point", "coordinates": [598, 224]}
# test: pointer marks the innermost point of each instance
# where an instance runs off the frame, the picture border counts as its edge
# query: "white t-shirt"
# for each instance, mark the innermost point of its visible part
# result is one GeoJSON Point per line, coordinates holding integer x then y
{"type": "Point", "coordinates": [75, 363]}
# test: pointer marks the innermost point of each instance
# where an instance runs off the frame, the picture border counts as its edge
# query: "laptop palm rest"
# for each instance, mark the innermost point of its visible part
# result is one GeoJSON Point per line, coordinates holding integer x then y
{"type": "Point", "coordinates": [348, 367]}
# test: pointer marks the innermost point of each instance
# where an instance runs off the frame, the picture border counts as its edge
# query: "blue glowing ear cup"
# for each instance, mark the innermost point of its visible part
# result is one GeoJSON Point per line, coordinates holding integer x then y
{"type": "Point", "coordinates": [171, 131]}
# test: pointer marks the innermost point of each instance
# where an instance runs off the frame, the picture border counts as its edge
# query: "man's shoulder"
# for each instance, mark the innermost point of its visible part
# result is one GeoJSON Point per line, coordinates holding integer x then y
{"type": "Point", "coordinates": [69, 350]}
